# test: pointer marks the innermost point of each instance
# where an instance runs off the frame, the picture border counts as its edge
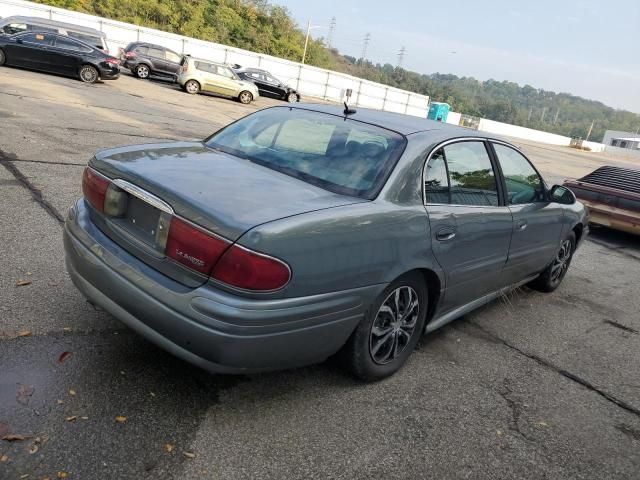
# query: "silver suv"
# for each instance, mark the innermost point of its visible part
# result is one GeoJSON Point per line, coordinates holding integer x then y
{"type": "Point", "coordinates": [197, 75]}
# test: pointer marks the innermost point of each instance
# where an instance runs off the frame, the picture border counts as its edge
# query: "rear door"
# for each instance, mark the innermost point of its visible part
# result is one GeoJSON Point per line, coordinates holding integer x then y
{"type": "Point", "coordinates": [66, 55]}
{"type": "Point", "coordinates": [227, 81]}
{"type": "Point", "coordinates": [470, 225]}
{"type": "Point", "coordinates": [156, 55]}
{"type": "Point", "coordinates": [537, 222]}
{"type": "Point", "coordinates": [273, 85]}
{"type": "Point", "coordinates": [172, 62]}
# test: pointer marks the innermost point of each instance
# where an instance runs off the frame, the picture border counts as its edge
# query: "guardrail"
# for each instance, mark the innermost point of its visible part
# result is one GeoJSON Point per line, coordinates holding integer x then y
{"type": "Point", "coordinates": [308, 80]}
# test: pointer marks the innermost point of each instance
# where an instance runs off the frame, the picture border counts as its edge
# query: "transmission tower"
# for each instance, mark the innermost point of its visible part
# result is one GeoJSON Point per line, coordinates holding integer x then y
{"type": "Point", "coordinates": [403, 52]}
{"type": "Point", "coordinates": [332, 27]}
{"type": "Point", "coordinates": [367, 39]}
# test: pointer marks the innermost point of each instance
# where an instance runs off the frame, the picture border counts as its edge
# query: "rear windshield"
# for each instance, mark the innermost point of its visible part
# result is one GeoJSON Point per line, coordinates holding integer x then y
{"type": "Point", "coordinates": [340, 155]}
{"type": "Point", "coordinates": [86, 38]}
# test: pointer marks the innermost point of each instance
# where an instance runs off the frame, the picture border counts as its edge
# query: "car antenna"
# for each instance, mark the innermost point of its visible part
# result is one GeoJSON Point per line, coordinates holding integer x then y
{"type": "Point", "coordinates": [347, 110]}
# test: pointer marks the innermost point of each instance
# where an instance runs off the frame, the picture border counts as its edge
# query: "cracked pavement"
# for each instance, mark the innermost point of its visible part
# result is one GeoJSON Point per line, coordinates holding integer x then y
{"type": "Point", "coordinates": [531, 386]}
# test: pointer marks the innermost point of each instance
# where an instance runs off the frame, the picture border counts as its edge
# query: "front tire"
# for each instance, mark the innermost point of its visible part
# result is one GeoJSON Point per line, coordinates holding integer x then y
{"type": "Point", "coordinates": [88, 74]}
{"type": "Point", "coordinates": [3, 57]}
{"type": "Point", "coordinates": [552, 276]}
{"type": "Point", "coordinates": [245, 97]}
{"type": "Point", "coordinates": [291, 97]}
{"type": "Point", "coordinates": [389, 331]}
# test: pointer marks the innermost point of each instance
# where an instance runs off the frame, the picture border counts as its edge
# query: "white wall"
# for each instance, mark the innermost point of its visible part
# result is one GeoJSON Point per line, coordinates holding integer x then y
{"type": "Point", "coordinates": [308, 80]}
{"type": "Point", "coordinates": [454, 118]}
{"type": "Point", "coordinates": [522, 132]}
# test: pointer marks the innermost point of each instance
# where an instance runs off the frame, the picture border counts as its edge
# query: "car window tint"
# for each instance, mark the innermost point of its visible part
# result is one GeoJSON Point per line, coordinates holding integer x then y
{"type": "Point", "coordinates": [70, 44]}
{"type": "Point", "coordinates": [172, 56]}
{"type": "Point", "coordinates": [12, 28]}
{"type": "Point", "coordinates": [206, 67]}
{"type": "Point", "coordinates": [225, 72]}
{"type": "Point", "coordinates": [341, 155]}
{"type": "Point", "coordinates": [38, 38]}
{"type": "Point", "coordinates": [156, 52]}
{"type": "Point", "coordinates": [524, 185]}
{"type": "Point", "coordinates": [271, 79]}
{"type": "Point", "coordinates": [436, 186]}
{"type": "Point", "coordinates": [142, 50]}
{"type": "Point", "coordinates": [471, 177]}
{"type": "Point", "coordinates": [90, 39]}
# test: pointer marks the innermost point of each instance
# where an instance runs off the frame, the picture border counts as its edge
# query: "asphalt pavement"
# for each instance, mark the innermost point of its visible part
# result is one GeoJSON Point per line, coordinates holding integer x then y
{"type": "Point", "coordinates": [532, 386]}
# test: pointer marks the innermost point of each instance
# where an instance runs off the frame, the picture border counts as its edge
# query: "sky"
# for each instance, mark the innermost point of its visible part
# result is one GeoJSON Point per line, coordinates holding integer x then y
{"type": "Point", "coordinates": [584, 47]}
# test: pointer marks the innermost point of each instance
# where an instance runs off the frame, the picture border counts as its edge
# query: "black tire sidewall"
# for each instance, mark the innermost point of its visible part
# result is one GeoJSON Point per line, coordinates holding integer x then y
{"type": "Point", "coordinates": [3, 57]}
{"type": "Point", "coordinates": [357, 349]}
{"type": "Point", "coordinates": [544, 283]}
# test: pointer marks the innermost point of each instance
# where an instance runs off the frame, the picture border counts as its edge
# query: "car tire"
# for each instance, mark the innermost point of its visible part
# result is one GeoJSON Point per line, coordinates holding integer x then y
{"type": "Point", "coordinates": [371, 353]}
{"type": "Point", "coordinates": [552, 276]}
{"type": "Point", "coordinates": [291, 97]}
{"type": "Point", "coordinates": [192, 87]}
{"type": "Point", "coordinates": [3, 57]}
{"type": "Point", "coordinates": [142, 71]}
{"type": "Point", "coordinates": [245, 97]}
{"type": "Point", "coordinates": [89, 74]}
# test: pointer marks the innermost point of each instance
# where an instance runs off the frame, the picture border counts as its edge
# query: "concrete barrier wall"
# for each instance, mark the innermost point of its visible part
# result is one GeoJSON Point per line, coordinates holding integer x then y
{"type": "Point", "coordinates": [310, 81]}
{"type": "Point", "coordinates": [521, 132]}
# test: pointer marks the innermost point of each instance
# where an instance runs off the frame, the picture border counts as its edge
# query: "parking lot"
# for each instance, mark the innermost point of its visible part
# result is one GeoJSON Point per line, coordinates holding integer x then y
{"type": "Point", "coordinates": [531, 386]}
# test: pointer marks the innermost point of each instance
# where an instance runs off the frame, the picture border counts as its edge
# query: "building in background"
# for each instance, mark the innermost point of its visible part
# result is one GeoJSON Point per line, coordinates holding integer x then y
{"type": "Point", "coordinates": [616, 138]}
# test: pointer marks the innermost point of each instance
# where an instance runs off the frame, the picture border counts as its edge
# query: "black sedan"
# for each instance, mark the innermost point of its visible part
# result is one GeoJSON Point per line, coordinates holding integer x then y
{"type": "Point", "coordinates": [268, 85]}
{"type": "Point", "coordinates": [51, 52]}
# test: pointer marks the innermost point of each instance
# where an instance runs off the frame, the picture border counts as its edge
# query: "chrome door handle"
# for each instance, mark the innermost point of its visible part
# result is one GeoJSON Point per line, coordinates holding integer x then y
{"type": "Point", "coordinates": [445, 235]}
{"type": "Point", "coordinates": [522, 225]}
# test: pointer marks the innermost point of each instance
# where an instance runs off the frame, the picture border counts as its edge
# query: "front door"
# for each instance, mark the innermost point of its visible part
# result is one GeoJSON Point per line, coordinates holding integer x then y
{"type": "Point", "coordinates": [537, 222]}
{"type": "Point", "coordinates": [30, 50]}
{"type": "Point", "coordinates": [470, 226]}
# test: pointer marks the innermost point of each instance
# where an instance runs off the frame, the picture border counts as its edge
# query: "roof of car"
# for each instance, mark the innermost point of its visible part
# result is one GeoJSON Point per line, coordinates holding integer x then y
{"type": "Point", "coordinates": [53, 23]}
{"type": "Point", "coordinates": [404, 124]}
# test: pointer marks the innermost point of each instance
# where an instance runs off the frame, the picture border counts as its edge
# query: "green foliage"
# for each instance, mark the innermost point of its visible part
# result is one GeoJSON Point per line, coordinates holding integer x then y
{"type": "Point", "coordinates": [261, 27]}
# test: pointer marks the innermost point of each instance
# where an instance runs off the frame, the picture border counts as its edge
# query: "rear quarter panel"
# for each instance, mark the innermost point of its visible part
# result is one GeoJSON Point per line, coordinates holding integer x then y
{"type": "Point", "coordinates": [347, 247]}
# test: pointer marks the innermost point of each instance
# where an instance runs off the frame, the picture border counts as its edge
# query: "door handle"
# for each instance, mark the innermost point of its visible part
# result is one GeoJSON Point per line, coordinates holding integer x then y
{"type": "Point", "coordinates": [445, 234]}
{"type": "Point", "coordinates": [522, 225]}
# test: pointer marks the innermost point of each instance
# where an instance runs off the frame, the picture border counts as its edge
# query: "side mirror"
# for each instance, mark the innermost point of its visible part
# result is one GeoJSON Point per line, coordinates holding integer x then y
{"type": "Point", "coordinates": [563, 195]}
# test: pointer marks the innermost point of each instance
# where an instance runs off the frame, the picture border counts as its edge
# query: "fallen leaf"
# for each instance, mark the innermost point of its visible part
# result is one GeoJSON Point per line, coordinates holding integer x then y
{"type": "Point", "coordinates": [60, 402]}
{"type": "Point", "coordinates": [66, 329]}
{"type": "Point", "coordinates": [122, 372]}
{"type": "Point", "coordinates": [33, 449]}
{"type": "Point", "coordinates": [543, 424]}
{"type": "Point", "coordinates": [29, 273]}
{"type": "Point", "coordinates": [63, 356]}
{"type": "Point", "coordinates": [24, 333]}
{"type": "Point", "coordinates": [62, 474]}
{"type": "Point", "coordinates": [46, 478]}
{"type": "Point", "coordinates": [168, 447]}
{"type": "Point", "coordinates": [71, 418]}
{"type": "Point", "coordinates": [22, 283]}
{"type": "Point", "coordinates": [24, 393]}
{"type": "Point", "coordinates": [152, 394]}
{"type": "Point", "coordinates": [84, 418]}
{"type": "Point", "coordinates": [15, 437]}
{"type": "Point", "coordinates": [3, 458]}
{"type": "Point", "coordinates": [499, 433]}
{"type": "Point", "coordinates": [121, 419]}
{"type": "Point", "coordinates": [26, 475]}
{"type": "Point", "coordinates": [189, 455]}
{"type": "Point", "coordinates": [72, 392]}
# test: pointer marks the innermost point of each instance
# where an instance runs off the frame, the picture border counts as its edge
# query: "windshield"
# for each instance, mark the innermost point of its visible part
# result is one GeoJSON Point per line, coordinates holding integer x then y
{"type": "Point", "coordinates": [340, 155]}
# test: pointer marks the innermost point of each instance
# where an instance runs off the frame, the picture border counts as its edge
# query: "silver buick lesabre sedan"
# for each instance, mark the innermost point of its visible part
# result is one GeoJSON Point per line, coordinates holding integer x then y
{"type": "Point", "coordinates": [301, 232]}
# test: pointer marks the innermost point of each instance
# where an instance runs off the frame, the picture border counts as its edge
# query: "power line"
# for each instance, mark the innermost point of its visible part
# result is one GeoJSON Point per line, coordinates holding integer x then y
{"type": "Point", "coordinates": [367, 39]}
{"type": "Point", "coordinates": [332, 27]}
{"type": "Point", "coordinates": [403, 52]}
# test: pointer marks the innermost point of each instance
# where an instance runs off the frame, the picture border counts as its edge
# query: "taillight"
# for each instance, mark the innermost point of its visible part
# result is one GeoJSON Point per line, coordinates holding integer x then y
{"type": "Point", "coordinates": [193, 247]}
{"type": "Point", "coordinates": [129, 54]}
{"type": "Point", "coordinates": [249, 270]}
{"type": "Point", "coordinates": [112, 61]}
{"type": "Point", "coordinates": [94, 188]}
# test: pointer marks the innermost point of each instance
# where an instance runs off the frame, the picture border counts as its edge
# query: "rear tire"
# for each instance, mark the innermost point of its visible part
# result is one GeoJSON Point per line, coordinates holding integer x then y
{"type": "Point", "coordinates": [192, 87]}
{"type": "Point", "coordinates": [3, 57]}
{"type": "Point", "coordinates": [245, 97]}
{"type": "Point", "coordinates": [142, 71]}
{"type": "Point", "coordinates": [552, 276]}
{"type": "Point", "coordinates": [291, 97]}
{"type": "Point", "coordinates": [89, 74]}
{"type": "Point", "coordinates": [389, 331]}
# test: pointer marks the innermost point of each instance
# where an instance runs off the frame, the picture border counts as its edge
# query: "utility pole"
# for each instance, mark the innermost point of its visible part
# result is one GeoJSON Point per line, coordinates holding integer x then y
{"type": "Point", "coordinates": [401, 55]}
{"type": "Point", "coordinates": [589, 132]}
{"type": "Point", "coordinates": [332, 27]}
{"type": "Point", "coordinates": [306, 38]}
{"type": "Point", "coordinates": [544, 110]}
{"type": "Point", "coordinates": [555, 119]}
{"type": "Point", "coordinates": [530, 112]}
{"type": "Point", "coordinates": [367, 39]}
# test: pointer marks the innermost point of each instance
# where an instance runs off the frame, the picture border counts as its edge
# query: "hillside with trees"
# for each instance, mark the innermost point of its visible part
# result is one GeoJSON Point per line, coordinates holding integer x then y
{"type": "Point", "coordinates": [261, 27]}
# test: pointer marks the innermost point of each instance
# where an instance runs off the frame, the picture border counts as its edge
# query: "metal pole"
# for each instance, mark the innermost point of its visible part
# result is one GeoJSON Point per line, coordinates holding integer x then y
{"type": "Point", "coordinates": [306, 41]}
{"type": "Point", "coordinates": [326, 85]}
{"type": "Point", "coordinates": [298, 79]}
{"type": "Point", "coordinates": [589, 132]}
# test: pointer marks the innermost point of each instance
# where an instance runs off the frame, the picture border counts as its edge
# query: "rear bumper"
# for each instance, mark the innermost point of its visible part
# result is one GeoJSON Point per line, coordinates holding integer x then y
{"type": "Point", "coordinates": [205, 326]}
{"type": "Point", "coordinates": [109, 73]}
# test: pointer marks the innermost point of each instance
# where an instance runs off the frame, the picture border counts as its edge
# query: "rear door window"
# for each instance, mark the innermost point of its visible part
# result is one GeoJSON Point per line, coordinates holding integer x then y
{"type": "Point", "coordinates": [71, 45]}
{"type": "Point", "coordinates": [470, 177]}
{"type": "Point", "coordinates": [156, 53]}
{"type": "Point", "coordinates": [90, 39]}
{"type": "Point", "coordinates": [12, 28]}
{"type": "Point", "coordinates": [524, 185]}
{"type": "Point", "coordinates": [142, 50]}
{"type": "Point", "coordinates": [206, 67]}
{"type": "Point", "coordinates": [44, 39]}
{"type": "Point", "coordinates": [172, 56]}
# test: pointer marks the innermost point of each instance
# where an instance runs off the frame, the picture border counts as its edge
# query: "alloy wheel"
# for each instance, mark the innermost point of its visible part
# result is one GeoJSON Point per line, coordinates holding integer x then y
{"type": "Point", "coordinates": [245, 97]}
{"type": "Point", "coordinates": [394, 325]}
{"type": "Point", "coordinates": [292, 97]}
{"type": "Point", "coordinates": [192, 86]}
{"type": "Point", "coordinates": [88, 74]}
{"type": "Point", "coordinates": [561, 263]}
{"type": "Point", "coordinates": [142, 71]}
